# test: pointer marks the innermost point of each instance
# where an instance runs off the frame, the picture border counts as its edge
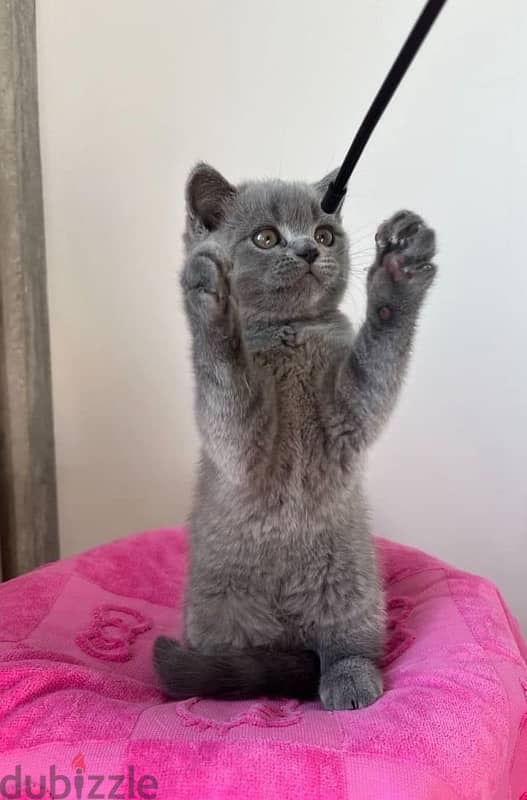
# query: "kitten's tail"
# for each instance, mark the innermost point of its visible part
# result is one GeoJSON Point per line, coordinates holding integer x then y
{"type": "Point", "coordinates": [236, 675]}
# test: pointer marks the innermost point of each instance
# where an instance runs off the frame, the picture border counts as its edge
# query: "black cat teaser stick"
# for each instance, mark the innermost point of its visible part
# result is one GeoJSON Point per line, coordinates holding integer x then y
{"type": "Point", "coordinates": [337, 188]}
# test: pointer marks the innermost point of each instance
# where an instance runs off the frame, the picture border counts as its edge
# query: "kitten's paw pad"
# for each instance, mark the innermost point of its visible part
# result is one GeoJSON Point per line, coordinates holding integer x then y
{"type": "Point", "coordinates": [205, 276]}
{"type": "Point", "coordinates": [350, 684]}
{"type": "Point", "coordinates": [406, 246]}
{"type": "Point", "coordinates": [397, 268]}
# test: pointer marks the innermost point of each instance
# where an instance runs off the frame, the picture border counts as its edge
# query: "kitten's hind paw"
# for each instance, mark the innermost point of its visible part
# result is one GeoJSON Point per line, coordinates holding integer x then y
{"type": "Point", "coordinates": [350, 683]}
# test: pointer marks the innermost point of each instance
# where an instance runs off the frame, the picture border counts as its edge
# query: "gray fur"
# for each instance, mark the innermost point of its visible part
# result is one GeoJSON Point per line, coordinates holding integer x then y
{"type": "Point", "coordinates": [288, 401]}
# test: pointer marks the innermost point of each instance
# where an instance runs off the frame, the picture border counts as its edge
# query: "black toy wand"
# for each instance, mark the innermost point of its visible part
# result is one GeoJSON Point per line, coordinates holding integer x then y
{"type": "Point", "coordinates": [337, 188]}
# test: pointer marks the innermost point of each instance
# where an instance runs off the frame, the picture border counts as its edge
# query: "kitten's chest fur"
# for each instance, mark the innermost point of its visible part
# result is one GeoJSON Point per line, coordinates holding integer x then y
{"type": "Point", "coordinates": [300, 478]}
{"type": "Point", "coordinates": [280, 527]}
{"type": "Point", "coordinates": [298, 366]}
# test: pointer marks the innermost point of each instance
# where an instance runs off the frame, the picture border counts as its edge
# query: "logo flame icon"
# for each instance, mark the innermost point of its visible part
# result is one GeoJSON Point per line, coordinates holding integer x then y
{"type": "Point", "coordinates": [78, 762]}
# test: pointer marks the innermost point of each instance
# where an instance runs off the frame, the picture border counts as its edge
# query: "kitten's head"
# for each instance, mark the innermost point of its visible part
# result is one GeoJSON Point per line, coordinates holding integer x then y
{"type": "Point", "coordinates": [289, 259]}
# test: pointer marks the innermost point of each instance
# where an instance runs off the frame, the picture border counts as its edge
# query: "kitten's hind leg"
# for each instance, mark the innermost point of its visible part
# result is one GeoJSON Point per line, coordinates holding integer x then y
{"type": "Point", "coordinates": [351, 639]}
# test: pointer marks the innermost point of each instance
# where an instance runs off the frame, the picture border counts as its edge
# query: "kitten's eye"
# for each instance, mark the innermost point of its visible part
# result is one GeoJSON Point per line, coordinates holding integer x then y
{"type": "Point", "coordinates": [324, 235]}
{"type": "Point", "coordinates": [266, 238]}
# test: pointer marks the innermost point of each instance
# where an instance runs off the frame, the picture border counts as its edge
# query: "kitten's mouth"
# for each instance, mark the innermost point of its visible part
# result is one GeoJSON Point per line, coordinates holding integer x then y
{"type": "Point", "coordinates": [311, 274]}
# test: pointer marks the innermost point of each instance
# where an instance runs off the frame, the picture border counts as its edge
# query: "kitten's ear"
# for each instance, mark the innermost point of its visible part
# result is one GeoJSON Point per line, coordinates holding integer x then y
{"type": "Point", "coordinates": [323, 185]}
{"type": "Point", "coordinates": [208, 196]}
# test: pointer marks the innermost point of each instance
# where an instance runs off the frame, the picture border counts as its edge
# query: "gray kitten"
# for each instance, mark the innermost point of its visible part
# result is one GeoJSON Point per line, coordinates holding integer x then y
{"type": "Point", "coordinates": [284, 596]}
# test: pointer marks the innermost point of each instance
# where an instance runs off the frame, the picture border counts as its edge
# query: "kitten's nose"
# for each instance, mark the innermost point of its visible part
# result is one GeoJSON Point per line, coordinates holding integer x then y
{"type": "Point", "coordinates": [307, 250]}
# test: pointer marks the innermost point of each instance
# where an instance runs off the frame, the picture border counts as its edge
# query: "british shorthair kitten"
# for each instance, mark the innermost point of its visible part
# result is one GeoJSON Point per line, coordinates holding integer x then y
{"type": "Point", "coordinates": [284, 596]}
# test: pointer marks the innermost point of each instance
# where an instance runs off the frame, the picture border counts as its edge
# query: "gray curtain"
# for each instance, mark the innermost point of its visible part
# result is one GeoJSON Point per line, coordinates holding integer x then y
{"type": "Point", "coordinates": [28, 507]}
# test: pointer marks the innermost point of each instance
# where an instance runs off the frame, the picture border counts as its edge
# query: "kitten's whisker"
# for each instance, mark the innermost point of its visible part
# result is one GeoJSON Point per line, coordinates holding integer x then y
{"type": "Point", "coordinates": [362, 246]}
{"type": "Point", "coordinates": [364, 226]}
{"type": "Point", "coordinates": [365, 235]}
{"type": "Point", "coordinates": [370, 236]}
{"type": "Point", "coordinates": [356, 249]}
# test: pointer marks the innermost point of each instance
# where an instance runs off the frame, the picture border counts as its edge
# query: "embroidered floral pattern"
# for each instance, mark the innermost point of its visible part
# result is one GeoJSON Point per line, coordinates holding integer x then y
{"type": "Point", "coordinates": [279, 714]}
{"type": "Point", "coordinates": [112, 632]}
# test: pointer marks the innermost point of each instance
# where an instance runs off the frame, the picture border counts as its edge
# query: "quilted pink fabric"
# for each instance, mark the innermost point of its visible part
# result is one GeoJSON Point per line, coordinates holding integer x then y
{"type": "Point", "coordinates": [78, 697]}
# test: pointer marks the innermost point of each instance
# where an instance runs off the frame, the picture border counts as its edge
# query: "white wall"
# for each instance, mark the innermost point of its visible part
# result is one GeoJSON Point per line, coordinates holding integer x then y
{"type": "Point", "coordinates": [134, 91]}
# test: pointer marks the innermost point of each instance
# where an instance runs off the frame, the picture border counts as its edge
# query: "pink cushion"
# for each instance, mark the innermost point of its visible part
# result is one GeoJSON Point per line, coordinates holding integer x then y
{"type": "Point", "coordinates": [77, 691]}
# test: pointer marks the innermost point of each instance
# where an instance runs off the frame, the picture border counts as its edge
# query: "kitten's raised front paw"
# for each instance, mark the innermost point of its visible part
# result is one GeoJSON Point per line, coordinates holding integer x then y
{"type": "Point", "coordinates": [205, 279]}
{"type": "Point", "coordinates": [405, 248]}
{"type": "Point", "coordinates": [350, 683]}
